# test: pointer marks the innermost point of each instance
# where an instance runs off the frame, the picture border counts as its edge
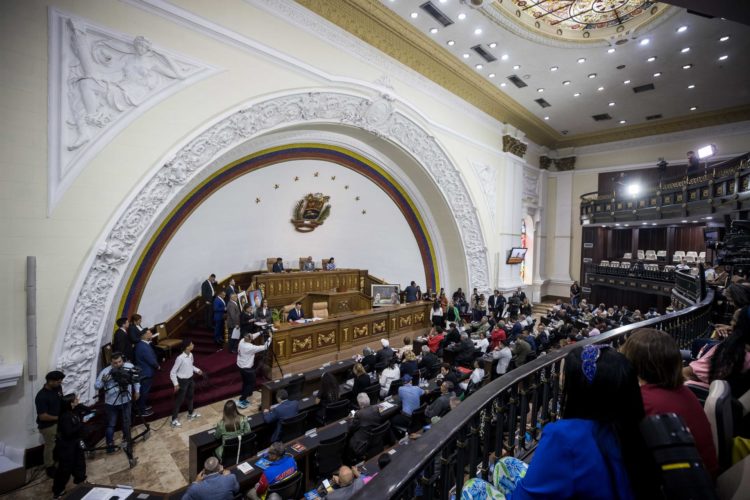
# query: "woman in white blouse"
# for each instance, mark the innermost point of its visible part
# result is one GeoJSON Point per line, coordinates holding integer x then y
{"type": "Point", "coordinates": [388, 375]}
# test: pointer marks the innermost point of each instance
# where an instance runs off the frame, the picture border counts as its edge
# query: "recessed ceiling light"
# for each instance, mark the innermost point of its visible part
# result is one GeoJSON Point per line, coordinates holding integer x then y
{"type": "Point", "coordinates": [461, 16]}
{"type": "Point", "coordinates": [479, 66]}
{"type": "Point", "coordinates": [546, 117]}
{"type": "Point", "coordinates": [610, 51]}
{"type": "Point", "coordinates": [645, 41]}
{"type": "Point", "coordinates": [493, 45]}
{"type": "Point", "coordinates": [683, 221]}
{"type": "Point", "coordinates": [592, 75]}
{"type": "Point", "coordinates": [724, 38]}
{"type": "Point", "coordinates": [626, 82]}
{"type": "Point", "coordinates": [600, 89]}
{"type": "Point", "coordinates": [577, 94]}
{"type": "Point", "coordinates": [492, 75]}
{"type": "Point", "coordinates": [657, 74]}
{"type": "Point", "coordinates": [623, 122]}
{"type": "Point", "coordinates": [611, 104]}
{"type": "Point", "coordinates": [465, 56]}
{"type": "Point", "coordinates": [540, 90]}
{"type": "Point", "coordinates": [451, 43]}
{"type": "Point", "coordinates": [554, 68]}
{"type": "Point", "coordinates": [414, 15]}
{"type": "Point", "coordinates": [651, 59]}
{"type": "Point", "coordinates": [691, 86]}
{"type": "Point", "coordinates": [581, 60]}
{"type": "Point", "coordinates": [517, 66]}
{"type": "Point", "coordinates": [433, 30]}
{"type": "Point", "coordinates": [693, 108]}
{"type": "Point", "coordinates": [504, 57]}
{"type": "Point", "coordinates": [626, 225]}
{"type": "Point", "coordinates": [443, 1]}
{"type": "Point", "coordinates": [708, 218]}
{"type": "Point", "coordinates": [653, 223]}
{"type": "Point", "coordinates": [566, 82]}
{"type": "Point", "coordinates": [723, 58]}
{"type": "Point", "coordinates": [681, 29]}
{"type": "Point", "coordinates": [687, 66]}
{"type": "Point", "coordinates": [644, 223]}
{"type": "Point", "coordinates": [685, 50]}
{"type": "Point", "coordinates": [478, 31]}
{"type": "Point", "coordinates": [503, 84]}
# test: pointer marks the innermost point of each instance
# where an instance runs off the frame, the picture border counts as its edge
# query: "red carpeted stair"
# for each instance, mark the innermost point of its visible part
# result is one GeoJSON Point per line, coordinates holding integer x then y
{"type": "Point", "coordinates": [222, 379]}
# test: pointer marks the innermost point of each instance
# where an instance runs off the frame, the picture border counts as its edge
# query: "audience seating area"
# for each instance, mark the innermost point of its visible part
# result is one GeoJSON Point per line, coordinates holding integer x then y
{"type": "Point", "coordinates": [691, 257]}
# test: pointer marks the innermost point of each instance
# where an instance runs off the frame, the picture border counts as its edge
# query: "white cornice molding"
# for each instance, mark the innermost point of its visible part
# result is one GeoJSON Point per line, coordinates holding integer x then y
{"type": "Point", "coordinates": [293, 13]}
{"type": "Point", "coordinates": [98, 84]}
{"type": "Point", "coordinates": [85, 324]}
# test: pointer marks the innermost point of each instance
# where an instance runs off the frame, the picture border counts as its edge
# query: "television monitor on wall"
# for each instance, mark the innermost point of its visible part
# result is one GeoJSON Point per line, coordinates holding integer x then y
{"type": "Point", "coordinates": [516, 255]}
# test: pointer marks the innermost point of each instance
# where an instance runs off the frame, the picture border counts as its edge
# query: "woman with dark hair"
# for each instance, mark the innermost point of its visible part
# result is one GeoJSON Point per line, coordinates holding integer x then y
{"type": "Point", "coordinates": [328, 393]}
{"type": "Point", "coordinates": [595, 450]}
{"type": "Point", "coordinates": [436, 315]}
{"type": "Point", "coordinates": [231, 425]}
{"type": "Point", "coordinates": [68, 447]}
{"type": "Point", "coordinates": [657, 361]}
{"type": "Point", "coordinates": [361, 379]}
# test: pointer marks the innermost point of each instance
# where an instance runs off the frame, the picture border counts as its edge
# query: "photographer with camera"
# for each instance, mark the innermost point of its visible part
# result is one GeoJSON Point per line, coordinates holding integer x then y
{"type": "Point", "coordinates": [246, 363]}
{"type": "Point", "coordinates": [120, 381]}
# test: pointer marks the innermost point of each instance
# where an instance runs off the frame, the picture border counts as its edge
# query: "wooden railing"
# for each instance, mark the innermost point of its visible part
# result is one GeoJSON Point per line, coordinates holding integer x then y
{"type": "Point", "coordinates": [505, 416]}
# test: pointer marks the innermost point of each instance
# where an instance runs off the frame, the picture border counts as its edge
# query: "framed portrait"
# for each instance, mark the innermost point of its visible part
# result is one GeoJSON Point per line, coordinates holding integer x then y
{"type": "Point", "coordinates": [242, 299]}
{"type": "Point", "coordinates": [255, 298]}
{"type": "Point", "coordinates": [385, 295]}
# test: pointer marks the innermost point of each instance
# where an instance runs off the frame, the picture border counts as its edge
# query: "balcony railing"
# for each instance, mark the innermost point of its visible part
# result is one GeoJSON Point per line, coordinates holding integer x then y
{"type": "Point", "coordinates": [507, 415]}
{"type": "Point", "coordinates": [718, 190]}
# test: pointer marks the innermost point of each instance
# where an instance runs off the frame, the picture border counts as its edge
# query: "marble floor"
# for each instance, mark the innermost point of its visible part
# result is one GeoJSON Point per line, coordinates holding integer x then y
{"type": "Point", "coordinates": [162, 457]}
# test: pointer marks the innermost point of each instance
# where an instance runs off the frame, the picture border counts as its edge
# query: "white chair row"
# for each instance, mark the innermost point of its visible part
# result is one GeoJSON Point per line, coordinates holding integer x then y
{"type": "Point", "coordinates": [690, 257]}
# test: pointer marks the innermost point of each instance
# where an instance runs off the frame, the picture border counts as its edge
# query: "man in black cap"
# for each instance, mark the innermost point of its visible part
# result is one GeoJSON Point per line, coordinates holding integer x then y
{"type": "Point", "coordinates": [47, 402]}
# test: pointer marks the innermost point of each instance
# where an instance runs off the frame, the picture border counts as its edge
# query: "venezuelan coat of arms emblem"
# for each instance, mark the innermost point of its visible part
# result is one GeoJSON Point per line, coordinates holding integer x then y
{"type": "Point", "coordinates": [310, 212]}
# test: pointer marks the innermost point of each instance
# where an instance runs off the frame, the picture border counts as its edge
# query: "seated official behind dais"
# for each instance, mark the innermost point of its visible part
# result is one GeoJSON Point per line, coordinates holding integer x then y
{"type": "Point", "coordinates": [296, 313]}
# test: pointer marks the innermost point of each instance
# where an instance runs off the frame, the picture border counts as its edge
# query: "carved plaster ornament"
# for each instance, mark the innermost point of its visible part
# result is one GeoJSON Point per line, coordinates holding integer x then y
{"type": "Point", "coordinates": [514, 146]}
{"type": "Point", "coordinates": [487, 177]}
{"type": "Point", "coordinates": [91, 314]}
{"type": "Point", "coordinates": [99, 82]}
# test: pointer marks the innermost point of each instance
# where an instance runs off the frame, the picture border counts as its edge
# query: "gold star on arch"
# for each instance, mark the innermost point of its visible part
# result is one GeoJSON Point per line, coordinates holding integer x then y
{"type": "Point", "coordinates": [364, 212]}
{"type": "Point", "coordinates": [276, 186]}
{"type": "Point", "coordinates": [346, 187]}
{"type": "Point", "coordinates": [296, 178]}
{"type": "Point", "coordinates": [356, 198]}
{"type": "Point", "coordinates": [316, 174]}
{"type": "Point", "coordinates": [257, 200]}
{"type": "Point", "coordinates": [333, 177]}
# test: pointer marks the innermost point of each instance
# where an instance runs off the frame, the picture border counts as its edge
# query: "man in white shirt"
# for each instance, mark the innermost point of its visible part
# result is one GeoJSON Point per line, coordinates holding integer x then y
{"type": "Point", "coordinates": [503, 355]}
{"type": "Point", "coordinates": [246, 362]}
{"type": "Point", "coordinates": [182, 379]}
{"type": "Point", "coordinates": [683, 265]}
{"type": "Point", "coordinates": [482, 344]}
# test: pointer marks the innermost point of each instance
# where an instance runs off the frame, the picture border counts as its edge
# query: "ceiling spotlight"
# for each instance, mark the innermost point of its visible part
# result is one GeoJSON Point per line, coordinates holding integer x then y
{"type": "Point", "coordinates": [492, 75]}
{"type": "Point", "coordinates": [681, 29]}
{"type": "Point", "coordinates": [461, 16]}
{"type": "Point", "coordinates": [479, 66]}
{"type": "Point", "coordinates": [691, 86]}
{"type": "Point", "coordinates": [546, 117]}
{"type": "Point", "coordinates": [611, 104]}
{"type": "Point", "coordinates": [633, 189]}
{"type": "Point", "coordinates": [724, 38]}
{"type": "Point", "coordinates": [414, 15]}
{"type": "Point", "coordinates": [651, 59]}
{"type": "Point", "coordinates": [451, 43]}
{"type": "Point", "coordinates": [687, 66]}
{"type": "Point", "coordinates": [685, 50]}
{"type": "Point", "coordinates": [592, 75]}
{"type": "Point", "coordinates": [684, 221]}
{"type": "Point", "coordinates": [554, 68]}
{"type": "Point", "coordinates": [600, 89]}
{"type": "Point", "coordinates": [433, 30]}
{"type": "Point", "coordinates": [503, 84]}
{"type": "Point", "coordinates": [623, 122]}
{"type": "Point", "coordinates": [478, 31]}
{"type": "Point", "coordinates": [581, 60]}
{"type": "Point", "coordinates": [577, 94]}
{"type": "Point", "coordinates": [657, 74]}
{"type": "Point", "coordinates": [540, 90]}
{"type": "Point", "coordinates": [653, 223]}
{"type": "Point", "coordinates": [693, 108]}
{"type": "Point", "coordinates": [610, 51]}
{"type": "Point", "coordinates": [707, 151]}
{"type": "Point", "coordinates": [504, 57]}
{"type": "Point", "coordinates": [566, 82]}
{"type": "Point", "coordinates": [626, 82]}
{"type": "Point", "coordinates": [645, 41]}
{"type": "Point", "coordinates": [493, 45]}
{"type": "Point", "coordinates": [723, 58]}
{"type": "Point", "coordinates": [517, 66]}
{"type": "Point", "coordinates": [465, 56]}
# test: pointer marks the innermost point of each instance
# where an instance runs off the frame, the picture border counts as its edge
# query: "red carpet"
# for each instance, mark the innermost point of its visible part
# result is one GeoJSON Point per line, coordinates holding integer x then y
{"type": "Point", "coordinates": [222, 379]}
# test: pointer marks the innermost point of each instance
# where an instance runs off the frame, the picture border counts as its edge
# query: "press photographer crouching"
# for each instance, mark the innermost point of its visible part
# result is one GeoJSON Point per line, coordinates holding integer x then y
{"type": "Point", "coordinates": [121, 384]}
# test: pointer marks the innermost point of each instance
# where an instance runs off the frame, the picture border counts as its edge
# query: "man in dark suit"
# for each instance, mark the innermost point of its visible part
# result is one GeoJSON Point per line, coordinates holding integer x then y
{"type": "Point", "coordinates": [135, 328]}
{"type": "Point", "coordinates": [220, 309]}
{"type": "Point", "coordinates": [278, 266]}
{"type": "Point", "coordinates": [385, 354]}
{"type": "Point", "coordinates": [207, 294]}
{"type": "Point", "coordinates": [368, 359]}
{"type": "Point", "coordinates": [367, 418]}
{"type": "Point", "coordinates": [145, 359]}
{"type": "Point", "coordinates": [465, 352]}
{"type": "Point", "coordinates": [282, 411]}
{"type": "Point", "coordinates": [411, 292]}
{"type": "Point", "coordinates": [231, 288]}
{"type": "Point", "coordinates": [121, 341]}
{"type": "Point", "coordinates": [428, 360]}
{"type": "Point", "coordinates": [296, 313]}
{"type": "Point", "coordinates": [263, 313]}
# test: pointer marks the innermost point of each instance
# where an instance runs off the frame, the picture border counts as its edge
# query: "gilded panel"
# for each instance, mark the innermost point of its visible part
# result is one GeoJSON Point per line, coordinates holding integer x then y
{"type": "Point", "coordinates": [326, 339]}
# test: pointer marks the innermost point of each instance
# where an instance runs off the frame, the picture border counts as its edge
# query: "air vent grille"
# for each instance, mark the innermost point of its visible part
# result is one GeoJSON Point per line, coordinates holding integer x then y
{"type": "Point", "coordinates": [483, 53]}
{"type": "Point", "coordinates": [516, 80]}
{"type": "Point", "coordinates": [653, 117]}
{"type": "Point", "coordinates": [436, 13]}
{"type": "Point", "coordinates": [643, 88]}
{"type": "Point", "coordinates": [542, 103]}
{"type": "Point", "coordinates": [602, 117]}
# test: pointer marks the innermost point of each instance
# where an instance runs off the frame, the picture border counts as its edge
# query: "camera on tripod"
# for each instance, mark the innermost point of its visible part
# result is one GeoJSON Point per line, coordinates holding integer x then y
{"type": "Point", "coordinates": [125, 376]}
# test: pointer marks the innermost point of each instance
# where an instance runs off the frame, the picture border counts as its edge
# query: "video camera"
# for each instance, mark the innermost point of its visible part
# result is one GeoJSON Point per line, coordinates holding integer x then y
{"type": "Point", "coordinates": [125, 376]}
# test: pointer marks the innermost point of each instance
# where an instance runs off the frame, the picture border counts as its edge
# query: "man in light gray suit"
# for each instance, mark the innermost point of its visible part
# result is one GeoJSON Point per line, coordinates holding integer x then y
{"type": "Point", "coordinates": [233, 321]}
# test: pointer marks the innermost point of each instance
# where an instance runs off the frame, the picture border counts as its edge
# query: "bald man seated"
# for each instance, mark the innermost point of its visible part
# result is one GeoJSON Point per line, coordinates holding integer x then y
{"type": "Point", "coordinates": [213, 483]}
{"type": "Point", "coordinates": [348, 482]}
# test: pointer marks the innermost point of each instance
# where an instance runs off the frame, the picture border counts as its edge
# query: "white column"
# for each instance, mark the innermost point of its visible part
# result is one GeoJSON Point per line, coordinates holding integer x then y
{"type": "Point", "coordinates": [509, 215]}
{"type": "Point", "coordinates": [560, 280]}
{"type": "Point", "coordinates": [540, 239]}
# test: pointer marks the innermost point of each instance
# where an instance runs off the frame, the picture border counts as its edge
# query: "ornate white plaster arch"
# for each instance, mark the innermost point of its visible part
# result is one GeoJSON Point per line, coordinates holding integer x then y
{"type": "Point", "coordinates": [83, 328]}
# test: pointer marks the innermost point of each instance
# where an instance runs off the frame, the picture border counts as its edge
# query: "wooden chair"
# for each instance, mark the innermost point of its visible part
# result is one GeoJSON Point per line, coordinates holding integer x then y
{"type": "Point", "coordinates": [285, 312]}
{"type": "Point", "coordinates": [165, 341]}
{"type": "Point", "coordinates": [320, 310]}
{"type": "Point", "coordinates": [270, 261]}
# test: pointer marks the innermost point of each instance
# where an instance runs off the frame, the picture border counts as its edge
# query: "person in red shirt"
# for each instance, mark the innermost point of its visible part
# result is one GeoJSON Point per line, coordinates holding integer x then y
{"type": "Point", "coordinates": [657, 361]}
{"type": "Point", "coordinates": [435, 338]}
{"type": "Point", "coordinates": [497, 335]}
